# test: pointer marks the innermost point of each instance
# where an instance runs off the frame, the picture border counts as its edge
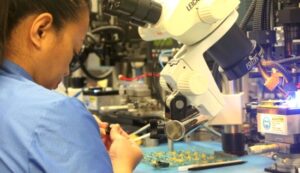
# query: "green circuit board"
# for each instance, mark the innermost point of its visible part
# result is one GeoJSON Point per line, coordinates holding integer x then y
{"type": "Point", "coordinates": [182, 157]}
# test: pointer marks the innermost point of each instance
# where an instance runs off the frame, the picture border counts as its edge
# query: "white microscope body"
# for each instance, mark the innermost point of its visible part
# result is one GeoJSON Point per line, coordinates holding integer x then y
{"type": "Point", "coordinates": [198, 25]}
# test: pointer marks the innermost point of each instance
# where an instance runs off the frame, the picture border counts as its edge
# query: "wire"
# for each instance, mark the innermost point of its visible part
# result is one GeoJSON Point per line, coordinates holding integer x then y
{"type": "Point", "coordinates": [111, 29]}
{"type": "Point", "coordinates": [154, 83]}
{"type": "Point", "coordinates": [90, 49]}
{"type": "Point", "coordinates": [279, 67]}
{"type": "Point", "coordinates": [77, 94]}
{"type": "Point", "coordinates": [163, 54]}
{"type": "Point", "coordinates": [91, 36]}
{"type": "Point", "coordinates": [248, 15]}
{"type": "Point", "coordinates": [262, 71]}
{"type": "Point", "coordinates": [268, 11]}
{"type": "Point", "coordinates": [294, 59]}
{"type": "Point", "coordinates": [124, 78]}
{"type": "Point", "coordinates": [258, 15]}
{"type": "Point", "coordinates": [286, 85]}
{"type": "Point", "coordinates": [104, 75]}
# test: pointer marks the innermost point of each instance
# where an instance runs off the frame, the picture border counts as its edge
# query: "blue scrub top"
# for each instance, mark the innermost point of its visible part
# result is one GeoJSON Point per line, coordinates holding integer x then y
{"type": "Point", "coordinates": [43, 131]}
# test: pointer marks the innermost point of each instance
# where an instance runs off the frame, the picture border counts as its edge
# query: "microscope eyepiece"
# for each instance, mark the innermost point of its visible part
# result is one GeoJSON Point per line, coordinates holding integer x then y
{"type": "Point", "coordinates": [138, 12]}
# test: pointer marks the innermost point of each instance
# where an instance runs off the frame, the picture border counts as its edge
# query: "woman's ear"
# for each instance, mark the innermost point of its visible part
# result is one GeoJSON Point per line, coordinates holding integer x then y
{"type": "Point", "coordinates": [41, 26]}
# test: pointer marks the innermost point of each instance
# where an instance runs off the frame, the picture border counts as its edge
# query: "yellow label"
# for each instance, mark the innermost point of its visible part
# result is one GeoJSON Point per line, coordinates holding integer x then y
{"type": "Point", "coordinates": [275, 124]}
{"type": "Point", "coordinates": [91, 102]}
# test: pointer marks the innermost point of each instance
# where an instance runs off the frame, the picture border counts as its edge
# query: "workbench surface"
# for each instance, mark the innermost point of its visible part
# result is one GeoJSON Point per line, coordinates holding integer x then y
{"type": "Point", "coordinates": [254, 163]}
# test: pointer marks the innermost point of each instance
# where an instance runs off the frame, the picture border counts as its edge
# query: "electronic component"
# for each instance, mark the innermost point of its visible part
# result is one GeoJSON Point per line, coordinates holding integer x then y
{"type": "Point", "coordinates": [182, 157]}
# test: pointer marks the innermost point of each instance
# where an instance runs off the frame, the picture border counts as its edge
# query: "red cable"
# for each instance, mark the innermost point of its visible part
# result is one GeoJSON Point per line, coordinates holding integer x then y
{"type": "Point", "coordinates": [124, 78]}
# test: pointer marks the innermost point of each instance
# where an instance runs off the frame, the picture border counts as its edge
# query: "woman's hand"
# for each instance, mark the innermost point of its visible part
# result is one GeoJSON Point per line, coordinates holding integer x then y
{"type": "Point", "coordinates": [124, 153]}
{"type": "Point", "coordinates": [103, 128]}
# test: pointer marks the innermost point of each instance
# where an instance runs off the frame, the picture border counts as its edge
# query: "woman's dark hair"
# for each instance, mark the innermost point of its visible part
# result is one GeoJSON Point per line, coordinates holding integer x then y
{"type": "Point", "coordinates": [3, 25]}
{"type": "Point", "coordinates": [12, 11]}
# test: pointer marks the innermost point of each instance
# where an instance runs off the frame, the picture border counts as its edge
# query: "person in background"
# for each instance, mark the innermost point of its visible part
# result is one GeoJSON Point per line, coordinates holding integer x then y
{"type": "Point", "coordinates": [41, 130]}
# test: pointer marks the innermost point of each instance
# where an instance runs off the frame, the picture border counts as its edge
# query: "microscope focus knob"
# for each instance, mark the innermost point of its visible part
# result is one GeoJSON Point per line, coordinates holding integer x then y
{"type": "Point", "coordinates": [192, 83]}
{"type": "Point", "coordinates": [209, 14]}
{"type": "Point", "coordinates": [211, 11]}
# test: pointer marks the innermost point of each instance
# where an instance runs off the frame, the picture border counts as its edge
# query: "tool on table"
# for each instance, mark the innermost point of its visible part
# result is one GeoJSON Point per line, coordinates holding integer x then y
{"type": "Point", "coordinates": [141, 137]}
{"type": "Point", "coordinates": [210, 165]}
{"type": "Point", "coordinates": [140, 130]}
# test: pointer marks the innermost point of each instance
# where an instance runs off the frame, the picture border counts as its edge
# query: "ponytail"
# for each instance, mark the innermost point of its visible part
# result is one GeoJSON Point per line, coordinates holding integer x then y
{"type": "Point", "coordinates": [3, 26]}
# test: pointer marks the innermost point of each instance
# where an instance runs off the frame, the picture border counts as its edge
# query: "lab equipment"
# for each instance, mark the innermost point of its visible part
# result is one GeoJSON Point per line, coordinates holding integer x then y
{"type": "Point", "coordinates": [276, 120]}
{"type": "Point", "coordinates": [206, 29]}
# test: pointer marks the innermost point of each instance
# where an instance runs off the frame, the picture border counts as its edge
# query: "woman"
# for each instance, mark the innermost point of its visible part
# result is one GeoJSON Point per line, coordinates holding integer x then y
{"type": "Point", "coordinates": [42, 131]}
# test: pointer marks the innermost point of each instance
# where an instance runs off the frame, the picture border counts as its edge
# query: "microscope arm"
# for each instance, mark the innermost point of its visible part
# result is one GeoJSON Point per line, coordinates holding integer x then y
{"type": "Point", "coordinates": [206, 28]}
